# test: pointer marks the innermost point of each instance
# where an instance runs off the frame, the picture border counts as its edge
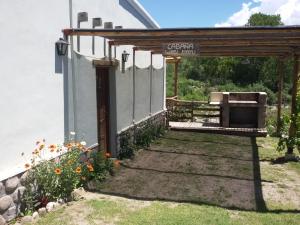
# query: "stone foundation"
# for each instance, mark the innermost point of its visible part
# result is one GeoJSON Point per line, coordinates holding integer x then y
{"type": "Point", "coordinates": [11, 192]}
{"type": "Point", "coordinates": [158, 119]}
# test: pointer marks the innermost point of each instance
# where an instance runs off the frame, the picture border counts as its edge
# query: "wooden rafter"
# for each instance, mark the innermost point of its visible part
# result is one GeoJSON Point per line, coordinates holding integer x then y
{"type": "Point", "coordinates": [233, 41]}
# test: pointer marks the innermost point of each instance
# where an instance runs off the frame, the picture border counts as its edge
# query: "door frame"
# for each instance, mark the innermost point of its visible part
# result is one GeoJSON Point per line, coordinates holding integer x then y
{"type": "Point", "coordinates": [107, 107]}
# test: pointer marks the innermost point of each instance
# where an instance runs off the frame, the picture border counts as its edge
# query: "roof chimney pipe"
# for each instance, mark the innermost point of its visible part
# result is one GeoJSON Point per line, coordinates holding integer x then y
{"type": "Point", "coordinates": [107, 25]}
{"type": "Point", "coordinates": [81, 17]}
{"type": "Point", "coordinates": [97, 22]}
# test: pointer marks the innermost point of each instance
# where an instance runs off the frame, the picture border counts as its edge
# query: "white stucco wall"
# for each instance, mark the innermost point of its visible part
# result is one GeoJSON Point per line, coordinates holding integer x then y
{"type": "Point", "coordinates": [86, 106]}
{"type": "Point", "coordinates": [110, 11]}
{"type": "Point", "coordinates": [124, 98]}
{"type": "Point", "coordinates": [142, 95]}
{"type": "Point", "coordinates": [31, 93]}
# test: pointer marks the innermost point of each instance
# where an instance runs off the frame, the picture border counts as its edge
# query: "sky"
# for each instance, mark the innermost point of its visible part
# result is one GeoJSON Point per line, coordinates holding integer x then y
{"type": "Point", "coordinates": [219, 13]}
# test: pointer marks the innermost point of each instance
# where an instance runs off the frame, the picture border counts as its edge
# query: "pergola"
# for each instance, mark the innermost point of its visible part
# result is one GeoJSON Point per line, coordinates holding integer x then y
{"type": "Point", "coordinates": [282, 42]}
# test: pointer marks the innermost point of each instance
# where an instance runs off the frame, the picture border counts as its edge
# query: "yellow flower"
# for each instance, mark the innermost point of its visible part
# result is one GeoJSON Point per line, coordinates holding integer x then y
{"type": "Point", "coordinates": [35, 152]}
{"type": "Point", "coordinates": [78, 170]}
{"type": "Point", "coordinates": [41, 146]}
{"type": "Point", "coordinates": [57, 171]}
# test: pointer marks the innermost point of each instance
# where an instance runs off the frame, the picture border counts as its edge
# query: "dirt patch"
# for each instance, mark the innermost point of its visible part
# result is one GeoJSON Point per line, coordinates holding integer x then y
{"type": "Point", "coordinates": [190, 168]}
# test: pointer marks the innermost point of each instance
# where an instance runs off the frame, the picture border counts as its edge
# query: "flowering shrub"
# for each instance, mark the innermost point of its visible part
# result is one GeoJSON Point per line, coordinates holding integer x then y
{"type": "Point", "coordinates": [49, 180]}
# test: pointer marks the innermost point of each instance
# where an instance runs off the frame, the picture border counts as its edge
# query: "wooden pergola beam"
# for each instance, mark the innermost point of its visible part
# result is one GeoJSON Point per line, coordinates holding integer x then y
{"type": "Point", "coordinates": [220, 42]}
{"type": "Point", "coordinates": [171, 32]}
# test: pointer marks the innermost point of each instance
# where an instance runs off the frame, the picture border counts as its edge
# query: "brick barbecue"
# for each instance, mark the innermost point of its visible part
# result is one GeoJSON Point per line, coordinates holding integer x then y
{"type": "Point", "coordinates": [241, 109]}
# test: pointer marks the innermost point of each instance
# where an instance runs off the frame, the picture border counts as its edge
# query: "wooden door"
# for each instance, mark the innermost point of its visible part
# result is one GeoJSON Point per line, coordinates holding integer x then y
{"type": "Point", "coordinates": [102, 80]}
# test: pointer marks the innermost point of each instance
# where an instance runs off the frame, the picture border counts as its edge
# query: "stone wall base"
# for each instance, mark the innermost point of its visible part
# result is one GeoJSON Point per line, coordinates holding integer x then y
{"type": "Point", "coordinates": [129, 135]}
{"type": "Point", "coordinates": [11, 192]}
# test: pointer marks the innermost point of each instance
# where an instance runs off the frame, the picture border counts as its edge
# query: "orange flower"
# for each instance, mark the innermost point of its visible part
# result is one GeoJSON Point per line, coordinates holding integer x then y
{"type": "Point", "coordinates": [57, 171]}
{"type": "Point", "coordinates": [117, 163]}
{"type": "Point", "coordinates": [90, 167]}
{"type": "Point", "coordinates": [107, 154]}
{"type": "Point", "coordinates": [52, 148]}
{"type": "Point", "coordinates": [78, 170]}
{"type": "Point", "coordinates": [27, 166]}
{"type": "Point", "coordinates": [69, 146]}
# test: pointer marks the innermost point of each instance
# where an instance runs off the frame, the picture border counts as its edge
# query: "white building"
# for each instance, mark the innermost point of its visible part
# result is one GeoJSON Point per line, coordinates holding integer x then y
{"type": "Point", "coordinates": [45, 96]}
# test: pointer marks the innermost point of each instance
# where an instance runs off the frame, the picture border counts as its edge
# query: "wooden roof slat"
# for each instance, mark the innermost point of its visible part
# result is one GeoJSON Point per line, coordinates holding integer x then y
{"type": "Point", "coordinates": [235, 41]}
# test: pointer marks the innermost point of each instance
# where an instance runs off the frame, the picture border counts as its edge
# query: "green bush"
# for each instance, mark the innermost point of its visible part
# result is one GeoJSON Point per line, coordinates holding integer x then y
{"type": "Point", "coordinates": [127, 147]}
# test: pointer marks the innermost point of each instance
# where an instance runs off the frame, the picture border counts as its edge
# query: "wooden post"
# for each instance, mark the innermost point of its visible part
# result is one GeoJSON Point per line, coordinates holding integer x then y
{"type": "Point", "coordinates": [151, 78]}
{"type": "Point", "coordinates": [292, 129]}
{"type": "Point", "coordinates": [133, 86]}
{"type": "Point", "coordinates": [176, 78]}
{"type": "Point", "coordinates": [280, 86]}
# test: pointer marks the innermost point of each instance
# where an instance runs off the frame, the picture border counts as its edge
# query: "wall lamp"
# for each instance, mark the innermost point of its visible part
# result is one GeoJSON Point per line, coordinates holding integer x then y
{"type": "Point", "coordinates": [61, 46]}
{"type": "Point", "coordinates": [81, 17]}
{"type": "Point", "coordinates": [125, 56]}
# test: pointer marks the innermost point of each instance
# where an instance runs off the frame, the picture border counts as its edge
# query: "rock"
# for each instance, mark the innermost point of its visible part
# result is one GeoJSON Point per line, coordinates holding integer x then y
{"type": "Point", "coordinates": [18, 194]}
{"type": "Point", "coordinates": [26, 220]}
{"type": "Point", "coordinates": [2, 189]}
{"type": "Point", "coordinates": [78, 194]}
{"type": "Point", "coordinates": [50, 206]}
{"type": "Point", "coordinates": [5, 203]}
{"type": "Point", "coordinates": [11, 213]}
{"type": "Point", "coordinates": [11, 184]}
{"type": "Point", "coordinates": [61, 201]}
{"type": "Point", "coordinates": [35, 216]}
{"type": "Point", "coordinates": [42, 211]}
{"type": "Point", "coordinates": [56, 204]}
{"type": "Point", "coordinates": [2, 220]}
{"type": "Point", "coordinates": [23, 178]}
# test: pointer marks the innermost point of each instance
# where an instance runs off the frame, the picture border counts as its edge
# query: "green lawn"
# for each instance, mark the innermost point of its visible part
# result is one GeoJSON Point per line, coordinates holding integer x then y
{"type": "Point", "coordinates": [203, 179]}
{"type": "Point", "coordinates": [120, 211]}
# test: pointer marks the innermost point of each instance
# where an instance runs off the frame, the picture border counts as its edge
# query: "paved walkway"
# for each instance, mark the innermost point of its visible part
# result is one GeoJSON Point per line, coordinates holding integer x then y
{"type": "Point", "coordinates": [214, 128]}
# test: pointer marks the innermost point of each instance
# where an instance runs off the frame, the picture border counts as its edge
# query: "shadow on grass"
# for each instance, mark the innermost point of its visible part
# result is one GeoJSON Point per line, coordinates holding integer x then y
{"type": "Point", "coordinates": [194, 177]}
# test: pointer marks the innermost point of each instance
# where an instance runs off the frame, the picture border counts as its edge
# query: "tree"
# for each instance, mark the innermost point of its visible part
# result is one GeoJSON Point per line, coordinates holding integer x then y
{"type": "Point", "coordinates": [260, 19]}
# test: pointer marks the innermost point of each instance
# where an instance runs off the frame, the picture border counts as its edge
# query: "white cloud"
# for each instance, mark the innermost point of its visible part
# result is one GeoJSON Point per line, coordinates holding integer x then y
{"type": "Point", "coordinates": [288, 9]}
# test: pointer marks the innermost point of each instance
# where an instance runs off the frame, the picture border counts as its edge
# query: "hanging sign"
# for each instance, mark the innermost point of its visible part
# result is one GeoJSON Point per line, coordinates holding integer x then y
{"type": "Point", "coordinates": [181, 48]}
